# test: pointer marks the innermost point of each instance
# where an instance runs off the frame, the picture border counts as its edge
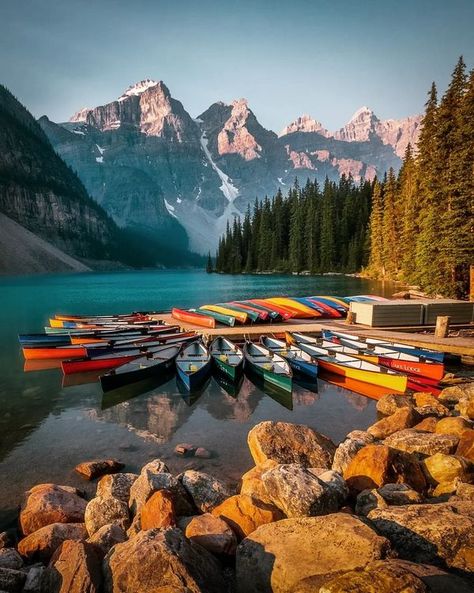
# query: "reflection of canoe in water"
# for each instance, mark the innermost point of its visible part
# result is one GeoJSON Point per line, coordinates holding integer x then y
{"type": "Point", "coordinates": [272, 368]}
{"type": "Point", "coordinates": [279, 395]}
{"type": "Point", "coordinates": [360, 387]}
{"type": "Point", "coordinates": [41, 365]}
{"type": "Point", "coordinates": [227, 357]}
{"type": "Point", "coordinates": [127, 392]}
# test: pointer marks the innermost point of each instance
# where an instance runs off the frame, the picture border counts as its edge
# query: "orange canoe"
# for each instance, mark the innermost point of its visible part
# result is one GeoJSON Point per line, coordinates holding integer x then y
{"type": "Point", "coordinates": [194, 318]}
{"type": "Point", "coordinates": [60, 352]}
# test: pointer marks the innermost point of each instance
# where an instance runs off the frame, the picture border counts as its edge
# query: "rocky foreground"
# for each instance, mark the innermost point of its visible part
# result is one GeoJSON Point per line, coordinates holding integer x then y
{"type": "Point", "coordinates": [388, 510]}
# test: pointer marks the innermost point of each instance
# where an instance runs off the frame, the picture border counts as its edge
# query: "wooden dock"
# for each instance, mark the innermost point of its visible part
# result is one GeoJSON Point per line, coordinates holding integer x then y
{"type": "Point", "coordinates": [461, 346]}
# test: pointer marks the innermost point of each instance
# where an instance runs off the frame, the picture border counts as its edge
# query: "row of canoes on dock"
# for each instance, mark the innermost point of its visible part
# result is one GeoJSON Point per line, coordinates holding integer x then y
{"type": "Point", "coordinates": [268, 310]}
{"type": "Point", "coordinates": [136, 346]}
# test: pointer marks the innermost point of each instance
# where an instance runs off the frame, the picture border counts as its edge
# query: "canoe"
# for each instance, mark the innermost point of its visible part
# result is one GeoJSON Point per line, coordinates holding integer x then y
{"type": "Point", "coordinates": [44, 340]}
{"type": "Point", "coordinates": [193, 365]}
{"type": "Point", "coordinates": [194, 318]}
{"type": "Point", "coordinates": [330, 311]}
{"type": "Point", "coordinates": [117, 338]}
{"type": "Point", "coordinates": [272, 368]}
{"type": "Point", "coordinates": [336, 301]}
{"type": "Point", "coordinates": [273, 315]}
{"type": "Point", "coordinates": [338, 305]}
{"type": "Point", "coordinates": [240, 316]}
{"type": "Point", "coordinates": [355, 368]}
{"type": "Point", "coordinates": [301, 311]}
{"type": "Point", "coordinates": [224, 319]}
{"type": "Point", "coordinates": [144, 367]}
{"type": "Point", "coordinates": [95, 350]}
{"type": "Point", "coordinates": [262, 315]}
{"type": "Point", "coordinates": [106, 361]}
{"type": "Point", "coordinates": [139, 315]}
{"type": "Point", "coordinates": [311, 304]}
{"type": "Point", "coordinates": [406, 348]}
{"type": "Point", "coordinates": [282, 311]}
{"type": "Point", "coordinates": [58, 352]}
{"type": "Point", "coordinates": [298, 360]}
{"type": "Point", "coordinates": [252, 315]}
{"type": "Point", "coordinates": [228, 357]}
{"type": "Point", "coordinates": [406, 363]}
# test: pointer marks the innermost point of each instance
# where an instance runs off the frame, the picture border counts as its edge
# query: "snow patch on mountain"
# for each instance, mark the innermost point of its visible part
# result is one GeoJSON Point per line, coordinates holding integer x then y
{"type": "Point", "coordinates": [170, 209]}
{"type": "Point", "coordinates": [229, 190]}
{"type": "Point", "coordinates": [138, 88]}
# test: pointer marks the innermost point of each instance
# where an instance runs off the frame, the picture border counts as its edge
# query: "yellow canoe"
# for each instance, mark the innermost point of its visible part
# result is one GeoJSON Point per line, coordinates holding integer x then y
{"type": "Point", "coordinates": [301, 310]}
{"type": "Point", "coordinates": [396, 382]}
{"type": "Point", "coordinates": [240, 316]}
{"type": "Point", "coordinates": [56, 323]}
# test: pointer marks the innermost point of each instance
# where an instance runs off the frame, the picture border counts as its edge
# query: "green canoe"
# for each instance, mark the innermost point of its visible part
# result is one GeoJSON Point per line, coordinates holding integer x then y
{"type": "Point", "coordinates": [272, 368]}
{"type": "Point", "coordinates": [228, 357]}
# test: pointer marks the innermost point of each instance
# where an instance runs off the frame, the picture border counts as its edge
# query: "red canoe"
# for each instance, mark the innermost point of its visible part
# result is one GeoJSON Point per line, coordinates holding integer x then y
{"type": "Point", "coordinates": [285, 313]}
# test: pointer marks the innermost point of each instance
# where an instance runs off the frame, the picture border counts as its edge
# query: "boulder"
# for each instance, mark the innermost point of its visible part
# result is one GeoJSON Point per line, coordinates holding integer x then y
{"type": "Point", "coordinates": [93, 469]}
{"type": "Point", "coordinates": [212, 533]}
{"type": "Point", "coordinates": [376, 577]}
{"type": "Point", "coordinates": [452, 425]}
{"type": "Point", "coordinates": [46, 504]}
{"type": "Point", "coordinates": [150, 480]}
{"type": "Point", "coordinates": [9, 558]}
{"type": "Point", "coordinates": [452, 395]}
{"type": "Point", "coordinates": [427, 443]}
{"type": "Point", "coordinates": [465, 446]}
{"type": "Point", "coordinates": [244, 514]}
{"type": "Point", "coordinates": [290, 443]}
{"type": "Point", "coordinates": [445, 469]}
{"type": "Point", "coordinates": [430, 404]}
{"type": "Point", "coordinates": [437, 580]}
{"type": "Point", "coordinates": [392, 402]}
{"type": "Point", "coordinates": [74, 568]}
{"type": "Point", "coordinates": [278, 556]}
{"type": "Point", "coordinates": [158, 511]}
{"type": "Point", "coordinates": [42, 544]}
{"type": "Point", "coordinates": [161, 560]}
{"type": "Point", "coordinates": [428, 424]}
{"type": "Point", "coordinates": [399, 494]}
{"type": "Point", "coordinates": [376, 465]}
{"type": "Point", "coordinates": [466, 408]}
{"type": "Point", "coordinates": [402, 418]}
{"type": "Point", "coordinates": [429, 533]}
{"type": "Point", "coordinates": [106, 537]}
{"type": "Point", "coordinates": [299, 492]}
{"type": "Point", "coordinates": [464, 491]}
{"type": "Point", "coordinates": [34, 576]}
{"type": "Point", "coordinates": [346, 451]}
{"type": "Point", "coordinates": [251, 481]}
{"type": "Point", "coordinates": [154, 477]}
{"type": "Point", "coordinates": [116, 485]}
{"type": "Point", "coordinates": [11, 581]}
{"type": "Point", "coordinates": [368, 500]}
{"type": "Point", "coordinates": [7, 540]}
{"type": "Point", "coordinates": [206, 491]}
{"type": "Point", "coordinates": [185, 449]}
{"type": "Point", "coordinates": [103, 511]}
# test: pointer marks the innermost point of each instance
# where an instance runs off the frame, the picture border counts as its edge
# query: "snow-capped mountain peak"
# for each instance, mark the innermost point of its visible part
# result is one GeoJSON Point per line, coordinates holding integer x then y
{"type": "Point", "coordinates": [138, 88]}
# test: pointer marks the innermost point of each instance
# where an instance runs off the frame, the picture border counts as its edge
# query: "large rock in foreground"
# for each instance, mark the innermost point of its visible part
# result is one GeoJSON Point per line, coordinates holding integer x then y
{"type": "Point", "coordinates": [211, 533]}
{"type": "Point", "coordinates": [426, 443]}
{"type": "Point", "coordinates": [103, 511]}
{"type": "Point", "coordinates": [376, 465]}
{"type": "Point", "coordinates": [48, 503]}
{"type": "Point", "coordinates": [276, 557]}
{"type": "Point", "coordinates": [74, 568]}
{"type": "Point", "coordinates": [440, 534]}
{"type": "Point", "coordinates": [245, 514]}
{"type": "Point", "coordinates": [161, 561]}
{"type": "Point", "coordinates": [206, 491]}
{"type": "Point", "coordinates": [116, 485]}
{"type": "Point", "coordinates": [290, 443]}
{"type": "Point", "coordinates": [42, 544]}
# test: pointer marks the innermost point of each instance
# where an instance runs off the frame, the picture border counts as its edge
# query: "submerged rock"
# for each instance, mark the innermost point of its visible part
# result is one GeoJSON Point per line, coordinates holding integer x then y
{"type": "Point", "coordinates": [93, 469]}
{"type": "Point", "coordinates": [161, 560]}
{"type": "Point", "coordinates": [290, 443]}
{"type": "Point", "coordinates": [277, 557]}
{"type": "Point", "coordinates": [46, 504]}
{"type": "Point", "coordinates": [42, 544]}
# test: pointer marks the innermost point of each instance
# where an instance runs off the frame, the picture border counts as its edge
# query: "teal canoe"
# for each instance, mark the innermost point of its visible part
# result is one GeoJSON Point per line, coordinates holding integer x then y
{"type": "Point", "coordinates": [225, 319]}
{"type": "Point", "coordinates": [253, 315]}
{"type": "Point", "coordinates": [271, 367]}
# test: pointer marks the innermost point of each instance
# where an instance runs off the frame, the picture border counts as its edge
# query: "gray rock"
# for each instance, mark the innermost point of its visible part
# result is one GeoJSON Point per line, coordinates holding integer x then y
{"type": "Point", "coordinates": [440, 534]}
{"type": "Point", "coordinates": [11, 580]}
{"type": "Point", "coordinates": [116, 485]}
{"type": "Point", "coordinates": [299, 492]}
{"type": "Point", "coordinates": [426, 443]}
{"type": "Point", "coordinates": [150, 480]}
{"type": "Point", "coordinates": [368, 500]}
{"type": "Point", "coordinates": [34, 577]}
{"type": "Point", "coordinates": [347, 450]}
{"type": "Point", "coordinates": [400, 494]}
{"type": "Point", "coordinates": [161, 560]}
{"type": "Point", "coordinates": [103, 511]}
{"type": "Point", "coordinates": [106, 537]}
{"type": "Point", "coordinates": [277, 557]}
{"type": "Point", "coordinates": [206, 491]}
{"type": "Point", "coordinates": [9, 558]}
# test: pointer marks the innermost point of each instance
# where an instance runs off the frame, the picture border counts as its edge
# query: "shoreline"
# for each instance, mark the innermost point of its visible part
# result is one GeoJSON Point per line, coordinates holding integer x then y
{"type": "Point", "coordinates": [411, 472]}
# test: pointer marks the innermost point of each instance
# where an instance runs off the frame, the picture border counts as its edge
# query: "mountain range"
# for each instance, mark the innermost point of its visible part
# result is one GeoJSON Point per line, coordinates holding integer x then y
{"type": "Point", "coordinates": [154, 168]}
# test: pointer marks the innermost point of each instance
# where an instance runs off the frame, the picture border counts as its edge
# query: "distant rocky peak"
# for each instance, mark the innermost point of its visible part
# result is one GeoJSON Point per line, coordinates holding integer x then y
{"type": "Point", "coordinates": [80, 116]}
{"type": "Point", "coordinates": [140, 87]}
{"type": "Point", "coordinates": [305, 123]}
{"type": "Point", "coordinates": [364, 113]}
{"type": "Point", "coordinates": [360, 127]}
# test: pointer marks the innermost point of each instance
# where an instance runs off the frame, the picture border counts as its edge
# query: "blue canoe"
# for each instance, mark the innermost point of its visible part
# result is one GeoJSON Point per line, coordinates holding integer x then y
{"type": "Point", "coordinates": [194, 365]}
{"type": "Point", "coordinates": [299, 361]}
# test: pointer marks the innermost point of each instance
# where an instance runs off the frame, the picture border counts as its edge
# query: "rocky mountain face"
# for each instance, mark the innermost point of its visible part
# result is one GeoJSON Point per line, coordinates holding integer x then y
{"type": "Point", "coordinates": [151, 165]}
{"type": "Point", "coordinates": [41, 193]}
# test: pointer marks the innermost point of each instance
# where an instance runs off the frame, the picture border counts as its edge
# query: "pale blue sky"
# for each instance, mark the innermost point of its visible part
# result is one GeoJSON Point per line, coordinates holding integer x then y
{"type": "Point", "coordinates": [325, 58]}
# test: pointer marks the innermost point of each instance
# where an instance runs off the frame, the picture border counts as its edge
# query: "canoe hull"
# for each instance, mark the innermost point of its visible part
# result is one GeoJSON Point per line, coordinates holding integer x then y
{"type": "Point", "coordinates": [96, 364]}
{"type": "Point", "coordinates": [196, 379]}
{"type": "Point", "coordinates": [396, 383]}
{"type": "Point", "coordinates": [194, 318]}
{"type": "Point", "coordinates": [60, 353]}
{"type": "Point", "coordinates": [111, 381]}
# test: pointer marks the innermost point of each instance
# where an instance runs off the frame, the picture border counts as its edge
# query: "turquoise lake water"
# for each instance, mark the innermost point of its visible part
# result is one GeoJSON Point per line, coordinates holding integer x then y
{"type": "Point", "coordinates": [47, 427]}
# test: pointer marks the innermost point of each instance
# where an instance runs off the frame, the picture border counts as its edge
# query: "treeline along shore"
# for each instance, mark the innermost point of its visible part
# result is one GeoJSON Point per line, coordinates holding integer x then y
{"type": "Point", "coordinates": [416, 226]}
{"type": "Point", "coordinates": [389, 509]}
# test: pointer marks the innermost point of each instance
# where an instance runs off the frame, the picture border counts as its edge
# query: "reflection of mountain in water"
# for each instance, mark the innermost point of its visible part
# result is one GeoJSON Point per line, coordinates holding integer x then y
{"type": "Point", "coordinates": [358, 402]}
{"type": "Point", "coordinates": [223, 405]}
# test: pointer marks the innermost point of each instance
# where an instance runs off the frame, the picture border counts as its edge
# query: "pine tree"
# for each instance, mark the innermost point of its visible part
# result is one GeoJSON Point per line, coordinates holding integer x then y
{"type": "Point", "coordinates": [326, 241]}
{"type": "Point", "coordinates": [409, 213]}
{"type": "Point", "coordinates": [391, 243]}
{"type": "Point", "coordinates": [209, 268]}
{"type": "Point", "coordinates": [376, 258]}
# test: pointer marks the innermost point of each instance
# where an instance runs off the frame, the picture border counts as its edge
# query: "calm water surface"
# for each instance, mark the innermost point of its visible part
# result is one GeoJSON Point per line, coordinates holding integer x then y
{"type": "Point", "coordinates": [47, 427]}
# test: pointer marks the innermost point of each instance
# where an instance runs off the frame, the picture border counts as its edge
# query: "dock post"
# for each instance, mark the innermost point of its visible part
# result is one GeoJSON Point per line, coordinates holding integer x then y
{"type": "Point", "coordinates": [471, 283]}
{"type": "Point", "coordinates": [442, 326]}
{"type": "Point", "coordinates": [350, 319]}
